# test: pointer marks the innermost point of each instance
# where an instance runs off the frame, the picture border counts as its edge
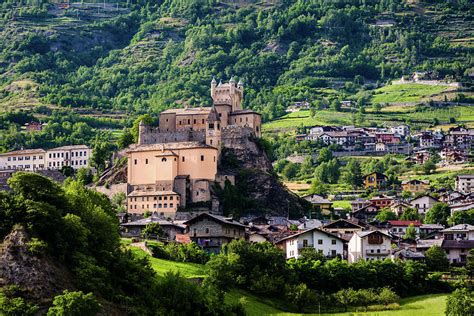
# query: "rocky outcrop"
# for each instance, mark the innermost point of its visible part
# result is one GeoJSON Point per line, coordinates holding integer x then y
{"type": "Point", "coordinates": [38, 276]}
{"type": "Point", "coordinates": [248, 161]}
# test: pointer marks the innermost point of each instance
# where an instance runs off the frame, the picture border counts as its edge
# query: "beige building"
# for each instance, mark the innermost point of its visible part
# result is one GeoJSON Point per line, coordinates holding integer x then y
{"type": "Point", "coordinates": [28, 160]}
{"type": "Point", "coordinates": [177, 161]}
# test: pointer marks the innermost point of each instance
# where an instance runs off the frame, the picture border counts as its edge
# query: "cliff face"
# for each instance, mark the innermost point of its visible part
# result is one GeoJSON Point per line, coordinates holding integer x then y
{"type": "Point", "coordinates": [248, 161]}
{"type": "Point", "coordinates": [39, 276]}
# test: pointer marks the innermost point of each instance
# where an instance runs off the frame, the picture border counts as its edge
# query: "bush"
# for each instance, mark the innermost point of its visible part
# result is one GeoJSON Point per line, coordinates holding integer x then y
{"type": "Point", "coordinates": [299, 296]}
{"type": "Point", "coordinates": [74, 304]}
{"type": "Point", "coordinates": [180, 252]}
{"type": "Point", "coordinates": [11, 304]}
{"type": "Point", "coordinates": [37, 247]}
{"type": "Point", "coordinates": [460, 302]}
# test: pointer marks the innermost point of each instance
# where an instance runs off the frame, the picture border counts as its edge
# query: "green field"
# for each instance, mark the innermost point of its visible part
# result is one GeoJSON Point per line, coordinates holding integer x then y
{"type": "Point", "coordinates": [341, 203]}
{"type": "Point", "coordinates": [161, 266]}
{"type": "Point", "coordinates": [426, 305]}
{"type": "Point", "coordinates": [406, 93]}
{"type": "Point", "coordinates": [396, 115]}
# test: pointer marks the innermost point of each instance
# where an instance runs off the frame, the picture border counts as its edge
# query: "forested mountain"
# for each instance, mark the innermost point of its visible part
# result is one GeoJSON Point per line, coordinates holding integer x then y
{"type": "Point", "coordinates": [144, 56]}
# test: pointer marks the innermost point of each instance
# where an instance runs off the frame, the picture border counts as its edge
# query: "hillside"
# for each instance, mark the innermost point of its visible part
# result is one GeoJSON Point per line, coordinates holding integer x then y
{"type": "Point", "coordinates": [150, 56]}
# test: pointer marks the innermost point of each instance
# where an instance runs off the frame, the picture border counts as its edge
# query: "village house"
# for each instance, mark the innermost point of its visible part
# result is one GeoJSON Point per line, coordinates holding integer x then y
{"type": "Point", "coordinates": [170, 228]}
{"type": "Point", "coordinates": [421, 157]}
{"type": "Point", "coordinates": [375, 180]}
{"type": "Point", "coordinates": [381, 201]}
{"type": "Point", "coordinates": [399, 227]}
{"type": "Point", "coordinates": [402, 130]}
{"type": "Point", "coordinates": [34, 126]}
{"type": "Point", "coordinates": [398, 207]}
{"type": "Point", "coordinates": [423, 203]}
{"type": "Point", "coordinates": [359, 203]}
{"type": "Point", "coordinates": [458, 240]}
{"type": "Point", "coordinates": [464, 183]}
{"type": "Point", "coordinates": [369, 245]}
{"type": "Point", "coordinates": [324, 242]}
{"type": "Point", "coordinates": [212, 231]}
{"type": "Point", "coordinates": [365, 214]}
{"type": "Point", "coordinates": [343, 228]}
{"type": "Point", "coordinates": [430, 229]}
{"type": "Point", "coordinates": [408, 254]}
{"type": "Point", "coordinates": [319, 201]}
{"type": "Point", "coordinates": [415, 186]}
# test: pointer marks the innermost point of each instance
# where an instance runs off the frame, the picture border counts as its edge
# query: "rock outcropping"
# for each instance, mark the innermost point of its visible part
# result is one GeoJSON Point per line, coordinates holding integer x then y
{"type": "Point", "coordinates": [38, 276]}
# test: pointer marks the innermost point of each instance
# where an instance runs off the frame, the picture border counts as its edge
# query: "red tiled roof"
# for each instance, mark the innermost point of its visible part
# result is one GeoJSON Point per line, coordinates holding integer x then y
{"type": "Point", "coordinates": [183, 238]}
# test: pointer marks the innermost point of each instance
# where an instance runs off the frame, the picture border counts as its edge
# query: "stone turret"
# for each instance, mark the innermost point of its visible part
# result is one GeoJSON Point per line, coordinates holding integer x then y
{"type": "Point", "coordinates": [228, 94]}
{"type": "Point", "coordinates": [213, 130]}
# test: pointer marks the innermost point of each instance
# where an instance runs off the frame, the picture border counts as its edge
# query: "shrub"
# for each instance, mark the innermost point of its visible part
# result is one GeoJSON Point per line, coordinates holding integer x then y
{"type": "Point", "coordinates": [460, 302]}
{"type": "Point", "coordinates": [11, 304]}
{"type": "Point", "coordinates": [36, 246]}
{"type": "Point", "coordinates": [74, 304]}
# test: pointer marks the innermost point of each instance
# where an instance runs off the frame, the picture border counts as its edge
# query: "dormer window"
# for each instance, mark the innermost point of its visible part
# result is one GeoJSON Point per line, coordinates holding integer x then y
{"type": "Point", "coordinates": [163, 159]}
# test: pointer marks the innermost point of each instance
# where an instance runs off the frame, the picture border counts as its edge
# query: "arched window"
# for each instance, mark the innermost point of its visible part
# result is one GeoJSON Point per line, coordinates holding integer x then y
{"type": "Point", "coordinates": [163, 159]}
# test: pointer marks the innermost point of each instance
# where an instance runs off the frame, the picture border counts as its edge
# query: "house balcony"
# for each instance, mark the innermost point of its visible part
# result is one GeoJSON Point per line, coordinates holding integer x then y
{"type": "Point", "coordinates": [377, 252]}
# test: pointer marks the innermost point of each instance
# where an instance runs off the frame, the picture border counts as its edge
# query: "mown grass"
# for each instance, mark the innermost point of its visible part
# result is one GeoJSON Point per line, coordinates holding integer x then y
{"type": "Point", "coordinates": [161, 266]}
{"type": "Point", "coordinates": [406, 93]}
{"type": "Point", "coordinates": [429, 305]}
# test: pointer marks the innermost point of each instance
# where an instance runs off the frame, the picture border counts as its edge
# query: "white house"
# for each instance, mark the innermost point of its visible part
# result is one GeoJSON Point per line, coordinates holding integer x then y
{"type": "Point", "coordinates": [324, 242]}
{"type": "Point", "coordinates": [465, 183]}
{"type": "Point", "coordinates": [74, 156]}
{"type": "Point", "coordinates": [402, 130]}
{"type": "Point", "coordinates": [457, 242]}
{"type": "Point", "coordinates": [423, 203]}
{"type": "Point", "coordinates": [369, 245]}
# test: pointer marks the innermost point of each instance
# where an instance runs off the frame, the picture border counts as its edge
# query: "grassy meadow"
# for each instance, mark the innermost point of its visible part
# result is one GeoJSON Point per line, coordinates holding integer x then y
{"type": "Point", "coordinates": [411, 92]}
{"type": "Point", "coordinates": [426, 305]}
{"type": "Point", "coordinates": [161, 266]}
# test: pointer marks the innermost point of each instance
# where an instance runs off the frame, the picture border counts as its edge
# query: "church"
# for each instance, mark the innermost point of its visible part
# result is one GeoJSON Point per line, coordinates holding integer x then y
{"type": "Point", "coordinates": [175, 164]}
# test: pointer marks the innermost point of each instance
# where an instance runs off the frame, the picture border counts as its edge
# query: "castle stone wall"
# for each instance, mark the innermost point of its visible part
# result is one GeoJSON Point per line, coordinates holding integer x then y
{"type": "Point", "coordinates": [153, 135]}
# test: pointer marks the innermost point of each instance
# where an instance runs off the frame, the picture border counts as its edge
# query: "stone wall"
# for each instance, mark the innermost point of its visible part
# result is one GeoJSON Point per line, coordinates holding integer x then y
{"type": "Point", "coordinates": [153, 135]}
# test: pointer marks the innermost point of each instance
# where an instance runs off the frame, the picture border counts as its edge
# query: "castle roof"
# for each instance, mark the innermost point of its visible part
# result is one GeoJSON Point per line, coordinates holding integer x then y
{"type": "Point", "coordinates": [24, 152]}
{"type": "Point", "coordinates": [189, 111]}
{"type": "Point", "coordinates": [213, 115]}
{"type": "Point", "coordinates": [246, 111]}
{"type": "Point", "coordinates": [167, 146]}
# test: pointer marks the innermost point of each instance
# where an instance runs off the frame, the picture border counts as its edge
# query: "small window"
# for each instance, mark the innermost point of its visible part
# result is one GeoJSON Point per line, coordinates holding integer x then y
{"type": "Point", "coordinates": [136, 162]}
{"type": "Point", "coordinates": [207, 230]}
{"type": "Point", "coordinates": [146, 161]}
{"type": "Point", "coordinates": [163, 159]}
{"type": "Point", "coordinates": [320, 241]}
{"type": "Point", "coordinates": [182, 158]}
{"type": "Point", "coordinates": [202, 157]}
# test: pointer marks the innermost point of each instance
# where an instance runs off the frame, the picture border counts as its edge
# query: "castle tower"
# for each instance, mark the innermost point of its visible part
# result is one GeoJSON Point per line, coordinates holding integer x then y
{"type": "Point", "coordinates": [213, 87]}
{"type": "Point", "coordinates": [213, 130]}
{"type": "Point", "coordinates": [141, 132]}
{"type": "Point", "coordinates": [228, 94]}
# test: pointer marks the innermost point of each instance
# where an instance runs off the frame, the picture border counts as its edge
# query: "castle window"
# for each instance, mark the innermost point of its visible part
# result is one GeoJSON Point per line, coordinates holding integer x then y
{"type": "Point", "coordinates": [189, 121]}
{"type": "Point", "coordinates": [165, 205]}
{"type": "Point", "coordinates": [194, 121]}
{"type": "Point", "coordinates": [182, 158]}
{"type": "Point", "coordinates": [166, 120]}
{"type": "Point", "coordinates": [171, 205]}
{"type": "Point", "coordinates": [214, 158]}
{"type": "Point", "coordinates": [197, 193]}
{"type": "Point", "coordinates": [154, 205]}
{"type": "Point", "coordinates": [202, 121]}
{"type": "Point", "coordinates": [165, 198]}
{"type": "Point", "coordinates": [240, 120]}
{"type": "Point", "coordinates": [211, 125]}
{"type": "Point", "coordinates": [246, 119]}
{"type": "Point", "coordinates": [218, 126]}
{"type": "Point", "coordinates": [175, 159]}
{"type": "Point", "coordinates": [160, 205]}
{"type": "Point", "coordinates": [202, 157]}
{"type": "Point", "coordinates": [220, 114]}
{"type": "Point", "coordinates": [258, 128]}
{"type": "Point", "coordinates": [146, 161]}
{"type": "Point", "coordinates": [163, 159]}
{"type": "Point", "coordinates": [136, 162]}
{"type": "Point", "coordinates": [211, 141]}
{"type": "Point", "coordinates": [160, 198]}
{"type": "Point", "coordinates": [171, 198]}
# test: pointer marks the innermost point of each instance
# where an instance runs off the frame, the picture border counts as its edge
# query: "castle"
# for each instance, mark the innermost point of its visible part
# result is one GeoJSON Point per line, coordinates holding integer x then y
{"type": "Point", "coordinates": [175, 164]}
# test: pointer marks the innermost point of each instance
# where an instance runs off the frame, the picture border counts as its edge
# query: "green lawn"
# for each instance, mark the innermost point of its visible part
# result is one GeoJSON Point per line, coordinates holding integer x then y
{"type": "Point", "coordinates": [426, 305]}
{"type": "Point", "coordinates": [341, 203]}
{"type": "Point", "coordinates": [406, 93]}
{"type": "Point", "coordinates": [161, 266]}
